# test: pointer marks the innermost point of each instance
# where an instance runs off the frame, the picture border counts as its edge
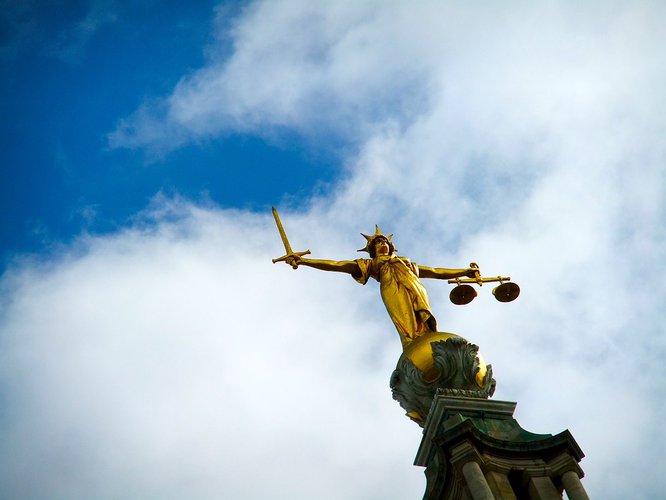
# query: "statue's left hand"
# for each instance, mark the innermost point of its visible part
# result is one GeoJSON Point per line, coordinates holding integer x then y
{"type": "Point", "coordinates": [473, 271]}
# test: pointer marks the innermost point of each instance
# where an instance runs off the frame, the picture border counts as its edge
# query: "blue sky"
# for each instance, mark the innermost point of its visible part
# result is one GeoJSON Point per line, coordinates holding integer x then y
{"type": "Point", "coordinates": [149, 348]}
{"type": "Point", "coordinates": [70, 72]}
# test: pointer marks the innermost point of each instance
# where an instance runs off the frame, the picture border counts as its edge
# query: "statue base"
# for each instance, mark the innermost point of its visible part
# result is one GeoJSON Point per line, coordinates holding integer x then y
{"type": "Point", "coordinates": [439, 363]}
{"type": "Point", "coordinates": [474, 448]}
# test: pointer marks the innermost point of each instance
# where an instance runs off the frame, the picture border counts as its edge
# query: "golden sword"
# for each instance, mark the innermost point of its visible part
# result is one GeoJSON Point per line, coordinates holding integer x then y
{"type": "Point", "coordinates": [285, 242]}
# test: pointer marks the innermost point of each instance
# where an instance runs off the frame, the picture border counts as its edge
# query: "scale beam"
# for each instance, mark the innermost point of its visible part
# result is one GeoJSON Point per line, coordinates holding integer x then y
{"type": "Point", "coordinates": [479, 280]}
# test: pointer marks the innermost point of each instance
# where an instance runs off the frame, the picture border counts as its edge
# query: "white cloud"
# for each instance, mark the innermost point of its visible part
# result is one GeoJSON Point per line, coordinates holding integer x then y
{"type": "Point", "coordinates": [529, 138]}
{"type": "Point", "coordinates": [184, 362]}
{"type": "Point", "coordinates": [337, 68]}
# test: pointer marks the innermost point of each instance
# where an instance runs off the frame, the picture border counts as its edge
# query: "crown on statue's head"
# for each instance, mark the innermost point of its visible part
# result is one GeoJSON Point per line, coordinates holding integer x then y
{"type": "Point", "coordinates": [370, 241]}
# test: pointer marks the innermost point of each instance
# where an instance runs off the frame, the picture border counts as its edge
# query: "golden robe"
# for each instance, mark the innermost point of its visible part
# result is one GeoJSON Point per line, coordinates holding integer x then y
{"type": "Point", "coordinates": [404, 295]}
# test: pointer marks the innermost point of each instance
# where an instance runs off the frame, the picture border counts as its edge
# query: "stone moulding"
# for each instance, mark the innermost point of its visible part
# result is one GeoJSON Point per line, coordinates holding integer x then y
{"type": "Point", "coordinates": [462, 434]}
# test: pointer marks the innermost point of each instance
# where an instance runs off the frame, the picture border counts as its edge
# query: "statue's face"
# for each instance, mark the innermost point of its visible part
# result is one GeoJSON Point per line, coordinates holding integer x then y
{"type": "Point", "coordinates": [381, 247]}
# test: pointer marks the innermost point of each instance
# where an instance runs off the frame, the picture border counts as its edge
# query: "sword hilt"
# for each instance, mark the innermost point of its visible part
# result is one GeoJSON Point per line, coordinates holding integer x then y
{"type": "Point", "coordinates": [285, 257]}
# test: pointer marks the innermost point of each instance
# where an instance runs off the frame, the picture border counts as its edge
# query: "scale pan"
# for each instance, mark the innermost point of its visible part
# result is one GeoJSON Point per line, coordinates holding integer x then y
{"type": "Point", "coordinates": [506, 292]}
{"type": "Point", "coordinates": [462, 294]}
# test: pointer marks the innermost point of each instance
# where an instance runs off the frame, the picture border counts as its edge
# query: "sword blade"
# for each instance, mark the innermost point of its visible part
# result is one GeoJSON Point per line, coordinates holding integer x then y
{"type": "Point", "coordinates": [283, 235]}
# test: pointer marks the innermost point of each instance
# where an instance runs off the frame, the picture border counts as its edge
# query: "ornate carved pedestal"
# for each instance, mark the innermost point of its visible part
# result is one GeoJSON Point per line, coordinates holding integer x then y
{"type": "Point", "coordinates": [443, 363]}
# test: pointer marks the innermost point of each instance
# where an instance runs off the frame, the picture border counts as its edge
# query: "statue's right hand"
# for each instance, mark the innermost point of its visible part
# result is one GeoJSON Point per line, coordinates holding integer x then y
{"type": "Point", "coordinates": [293, 260]}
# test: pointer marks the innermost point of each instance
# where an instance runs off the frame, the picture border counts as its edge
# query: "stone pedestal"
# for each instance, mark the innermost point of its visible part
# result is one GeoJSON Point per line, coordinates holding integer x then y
{"type": "Point", "coordinates": [474, 449]}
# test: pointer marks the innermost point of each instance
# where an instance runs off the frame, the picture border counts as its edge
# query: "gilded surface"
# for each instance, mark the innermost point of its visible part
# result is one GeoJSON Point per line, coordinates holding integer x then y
{"type": "Point", "coordinates": [419, 353]}
{"type": "Point", "coordinates": [402, 291]}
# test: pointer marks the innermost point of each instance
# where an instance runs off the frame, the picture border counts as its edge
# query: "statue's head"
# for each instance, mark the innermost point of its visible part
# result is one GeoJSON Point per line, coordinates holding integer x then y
{"type": "Point", "coordinates": [378, 244]}
{"type": "Point", "coordinates": [381, 246]}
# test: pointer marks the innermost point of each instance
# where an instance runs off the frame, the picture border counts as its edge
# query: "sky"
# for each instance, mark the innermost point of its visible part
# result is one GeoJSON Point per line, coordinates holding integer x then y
{"type": "Point", "coordinates": [150, 349]}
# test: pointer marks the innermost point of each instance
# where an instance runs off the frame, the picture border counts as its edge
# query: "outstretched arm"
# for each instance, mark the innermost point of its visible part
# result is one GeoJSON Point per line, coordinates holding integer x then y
{"type": "Point", "coordinates": [444, 274]}
{"type": "Point", "coordinates": [341, 266]}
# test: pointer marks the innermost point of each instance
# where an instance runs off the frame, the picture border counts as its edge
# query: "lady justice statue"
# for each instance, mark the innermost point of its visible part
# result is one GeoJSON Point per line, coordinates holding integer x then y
{"type": "Point", "coordinates": [403, 293]}
{"type": "Point", "coordinates": [431, 359]}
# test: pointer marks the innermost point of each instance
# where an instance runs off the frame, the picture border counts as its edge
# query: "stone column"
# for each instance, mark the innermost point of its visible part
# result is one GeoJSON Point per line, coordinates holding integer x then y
{"type": "Point", "coordinates": [476, 482]}
{"type": "Point", "coordinates": [542, 488]}
{"type": "Point", "coordinates": [573, 486]}
{"type": "Point", "coordinates": [500, 485]}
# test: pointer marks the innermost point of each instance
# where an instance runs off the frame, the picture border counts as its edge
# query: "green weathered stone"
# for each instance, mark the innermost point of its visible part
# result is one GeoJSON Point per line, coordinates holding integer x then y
{"type": "Point", "coordinates": [456, 364]}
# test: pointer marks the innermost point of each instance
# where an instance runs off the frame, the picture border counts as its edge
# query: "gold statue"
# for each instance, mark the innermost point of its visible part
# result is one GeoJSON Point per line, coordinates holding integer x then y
{"type": "Point", "coordinates": [404, 295]}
